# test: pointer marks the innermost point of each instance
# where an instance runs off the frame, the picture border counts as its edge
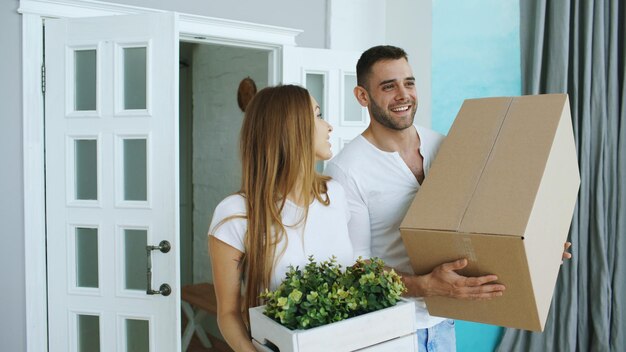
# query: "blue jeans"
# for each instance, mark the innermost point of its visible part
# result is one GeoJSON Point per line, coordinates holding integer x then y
{"type": "Point", "coordinates": [438, 338]}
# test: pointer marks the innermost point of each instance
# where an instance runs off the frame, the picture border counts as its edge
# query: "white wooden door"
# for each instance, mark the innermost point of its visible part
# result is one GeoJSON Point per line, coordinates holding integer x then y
{"type": "Point", "coordinates": [330, 76]}
{"type": "Point", "coordinates": [111, 130]}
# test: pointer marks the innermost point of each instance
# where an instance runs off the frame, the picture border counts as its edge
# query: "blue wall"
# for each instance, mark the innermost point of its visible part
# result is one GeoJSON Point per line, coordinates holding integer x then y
{"type": "Point", "coordinates": [476, 54]}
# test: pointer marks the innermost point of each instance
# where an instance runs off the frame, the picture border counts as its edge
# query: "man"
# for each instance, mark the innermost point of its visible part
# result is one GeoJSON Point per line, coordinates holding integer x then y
{"type": "Point", "coordinates": [381, 171]}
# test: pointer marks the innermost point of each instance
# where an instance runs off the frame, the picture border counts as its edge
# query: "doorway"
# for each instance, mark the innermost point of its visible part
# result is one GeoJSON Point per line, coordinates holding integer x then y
{"type": "Point", "coordinates": [209, 124]}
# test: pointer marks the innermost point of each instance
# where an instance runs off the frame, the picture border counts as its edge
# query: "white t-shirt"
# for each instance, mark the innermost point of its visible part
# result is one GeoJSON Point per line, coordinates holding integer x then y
{"type": "Point", "coordinates": [324, 234]}
{"type": "Point", "coordinates": [380, 188]}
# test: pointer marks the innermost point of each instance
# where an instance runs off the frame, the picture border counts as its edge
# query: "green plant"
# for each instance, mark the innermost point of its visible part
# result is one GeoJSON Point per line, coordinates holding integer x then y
{"type": "Point", "coordinates": [322, 293]}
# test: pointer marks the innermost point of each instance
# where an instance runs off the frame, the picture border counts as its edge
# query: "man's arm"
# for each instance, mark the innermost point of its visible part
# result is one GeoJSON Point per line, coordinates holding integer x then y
{"type": "Point", "coordinates": [444, 281]}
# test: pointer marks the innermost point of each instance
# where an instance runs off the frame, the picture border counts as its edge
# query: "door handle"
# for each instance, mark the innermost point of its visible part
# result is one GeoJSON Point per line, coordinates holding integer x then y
{"type": "Point", "coordinates": [164, 289]}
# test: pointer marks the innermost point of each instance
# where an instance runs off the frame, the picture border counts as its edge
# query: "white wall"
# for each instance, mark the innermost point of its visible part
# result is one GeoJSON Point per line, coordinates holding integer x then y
{"type": "Point", "coordinates": [217, 71]}
{"type": "Point", "coordinates": [361, 24]}
{"type": "Point", "coordinates": [409, 26]}
{"type": "Point", "coordinates": [356, 24]}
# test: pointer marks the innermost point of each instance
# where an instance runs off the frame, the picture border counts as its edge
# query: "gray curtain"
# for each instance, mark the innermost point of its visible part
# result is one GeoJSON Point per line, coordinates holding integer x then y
{"type": "Point", "coordinates": [577, 47]}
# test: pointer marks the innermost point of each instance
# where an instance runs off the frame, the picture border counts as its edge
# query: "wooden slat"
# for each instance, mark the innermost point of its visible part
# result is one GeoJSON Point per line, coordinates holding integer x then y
{"type": "Point", "coordinates": [200, 296]}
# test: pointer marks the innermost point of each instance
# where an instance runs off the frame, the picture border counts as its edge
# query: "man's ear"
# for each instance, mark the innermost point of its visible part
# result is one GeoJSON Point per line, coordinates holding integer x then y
{"type": "Point", "coordinates": [362, 96]}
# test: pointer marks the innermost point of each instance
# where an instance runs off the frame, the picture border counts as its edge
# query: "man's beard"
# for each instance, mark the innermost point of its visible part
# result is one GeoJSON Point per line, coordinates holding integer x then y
{"type": "Point", "coordinates": [384, 118]}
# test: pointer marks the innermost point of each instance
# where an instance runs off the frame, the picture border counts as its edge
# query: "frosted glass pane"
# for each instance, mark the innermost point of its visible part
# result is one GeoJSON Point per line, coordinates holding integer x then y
{"type": "Point", "coordinates": [137, 335]}
{"type": "Point", "coordinates": [315, 86]}
{"type": "Point", "coordinates": [135, 78]}
{"type": "Point", "coordinates": [135, 169]}
{"type": "Point", "coordinates": [85, 80]}
{"type": "Point", "coordinates": [88, 333]}
{"type": "Point", "coordinates": [135, 259]}
{"type": "Point", "coordinates": [86, 257]}
{"type": "Point", "coordinates": [352, 111]}
{"type": "Point", "coordinates": [86, 169]}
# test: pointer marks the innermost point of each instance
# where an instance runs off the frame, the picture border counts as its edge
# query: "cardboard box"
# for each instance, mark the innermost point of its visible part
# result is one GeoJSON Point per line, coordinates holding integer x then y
{"type": "Point", "coordinates": [500, 193]}
{"type": "Point", "coordinates": [390, 329]}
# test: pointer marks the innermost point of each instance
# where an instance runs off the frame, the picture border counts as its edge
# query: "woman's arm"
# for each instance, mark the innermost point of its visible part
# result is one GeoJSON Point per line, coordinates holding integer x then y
{"type": "Point", "coordinates": [225, 263]}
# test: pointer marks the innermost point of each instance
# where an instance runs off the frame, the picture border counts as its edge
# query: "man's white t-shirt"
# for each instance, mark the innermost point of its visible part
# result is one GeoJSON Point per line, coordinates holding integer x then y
{"type": "Point", "coordinates": [324, 233]}
{"type": "Point", "coordinates": [380, 188]}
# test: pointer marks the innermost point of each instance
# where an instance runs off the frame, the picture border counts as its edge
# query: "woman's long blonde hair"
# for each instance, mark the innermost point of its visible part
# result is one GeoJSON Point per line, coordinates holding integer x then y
{"type": "Point", "coordinates": [277, 155]}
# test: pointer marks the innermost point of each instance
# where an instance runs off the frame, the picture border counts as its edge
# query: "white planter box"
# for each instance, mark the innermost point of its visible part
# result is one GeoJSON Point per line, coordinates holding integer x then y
{"type": "Point", "coordinates": [389, 329]}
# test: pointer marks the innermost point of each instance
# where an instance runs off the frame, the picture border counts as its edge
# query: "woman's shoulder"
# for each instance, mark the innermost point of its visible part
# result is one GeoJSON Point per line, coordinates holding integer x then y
{"type": "Point", "coordinates": [334, 187]}
{"type": "Point", "coordinates": [229, 214]}
{"type": "Point", "coordinates": [234, 204]}
{"type": "Point", "coordinates": [228, 223]}
{"type": "Point", "coordinates": [336, 192]}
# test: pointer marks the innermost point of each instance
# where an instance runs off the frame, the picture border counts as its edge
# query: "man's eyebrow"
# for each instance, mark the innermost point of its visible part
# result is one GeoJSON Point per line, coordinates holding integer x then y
{"type": "Point", "coordinates": [386, 82]}
{"type": "Point", "coordinates": [393, 80]}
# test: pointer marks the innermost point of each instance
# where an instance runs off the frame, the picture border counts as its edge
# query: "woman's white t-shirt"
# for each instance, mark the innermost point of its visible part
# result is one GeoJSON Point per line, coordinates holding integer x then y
{"type": "Point", "coordinates": [324, 233]}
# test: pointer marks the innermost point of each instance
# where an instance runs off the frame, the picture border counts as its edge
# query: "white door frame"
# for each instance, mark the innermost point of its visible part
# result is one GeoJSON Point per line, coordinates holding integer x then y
{"type": "Point", "coordinates": [192, 28]}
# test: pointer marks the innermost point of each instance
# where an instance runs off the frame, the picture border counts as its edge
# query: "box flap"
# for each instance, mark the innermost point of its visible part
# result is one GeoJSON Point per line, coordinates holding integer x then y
{"type": "Point", "coordinates": [488, 170]}
{"type": "Point", "coordinates": [551, 217]}
{"type": "Point", "coordinates": [454, 176]}
{"type": "Point", "coordinates": [506, 192]}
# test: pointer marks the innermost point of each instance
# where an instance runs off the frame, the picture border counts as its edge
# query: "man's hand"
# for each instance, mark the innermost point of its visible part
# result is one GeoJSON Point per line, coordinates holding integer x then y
{"type": "Point", "coordinates": [444, 281]}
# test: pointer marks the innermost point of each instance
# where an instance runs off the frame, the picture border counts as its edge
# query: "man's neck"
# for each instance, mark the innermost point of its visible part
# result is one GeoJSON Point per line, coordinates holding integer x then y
{"type": "Point", "coordinates": [390, 140]}
{"type": "Point", "coordinates": [406, 142]}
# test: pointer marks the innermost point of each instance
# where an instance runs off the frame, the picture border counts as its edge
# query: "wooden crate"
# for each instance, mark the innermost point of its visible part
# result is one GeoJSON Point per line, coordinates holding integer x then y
{"type": "Point", "coordinates": [389, 329]}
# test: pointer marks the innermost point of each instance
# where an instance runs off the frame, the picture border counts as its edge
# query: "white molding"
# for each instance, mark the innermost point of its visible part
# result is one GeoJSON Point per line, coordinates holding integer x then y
{"type": "Point", "coordinates": [78, 8]}
{"type": "Point", "coordinates": [190, 25]}
{"type": "Point", "coordinates": [34, 180]}
{"type": "Point", "coordinates": [245, 32]}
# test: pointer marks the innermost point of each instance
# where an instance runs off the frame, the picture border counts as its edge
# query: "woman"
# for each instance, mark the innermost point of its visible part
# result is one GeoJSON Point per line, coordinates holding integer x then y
{"type": "Point", "coordinates": [284, 212]}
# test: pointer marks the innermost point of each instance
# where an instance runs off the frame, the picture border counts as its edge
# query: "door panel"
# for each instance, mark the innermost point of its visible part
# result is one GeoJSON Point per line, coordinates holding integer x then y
{"type": "Point", "coordinates": [330, 76]}
{"type": "Point", "coordinates": [111, 147]}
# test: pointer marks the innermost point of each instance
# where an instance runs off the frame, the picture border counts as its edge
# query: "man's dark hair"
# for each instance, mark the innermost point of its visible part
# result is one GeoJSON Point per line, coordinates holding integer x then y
{"type": "Point", "coordinates": [374, 55]}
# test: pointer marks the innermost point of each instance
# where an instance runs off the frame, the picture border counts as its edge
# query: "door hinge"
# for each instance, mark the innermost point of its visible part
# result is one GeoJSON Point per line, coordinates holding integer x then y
{"type": "Point", "coordinates": [43, 79]}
